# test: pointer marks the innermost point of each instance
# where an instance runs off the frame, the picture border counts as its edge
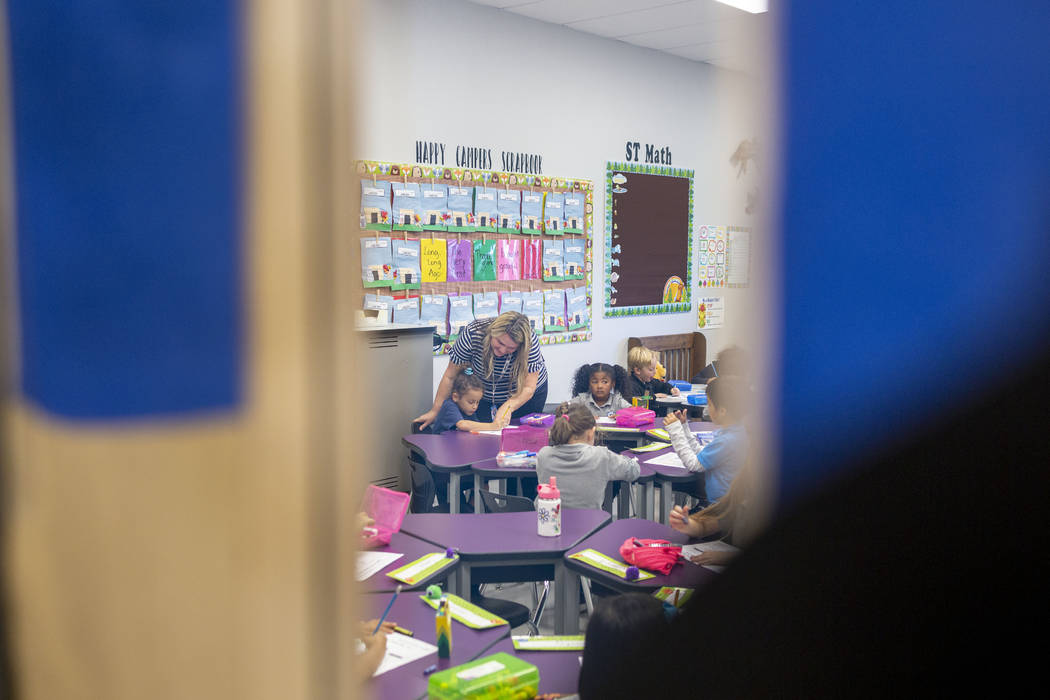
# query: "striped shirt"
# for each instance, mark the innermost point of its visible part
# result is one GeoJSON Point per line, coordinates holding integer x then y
{"type": "Point", "coordinates": [502, 384]}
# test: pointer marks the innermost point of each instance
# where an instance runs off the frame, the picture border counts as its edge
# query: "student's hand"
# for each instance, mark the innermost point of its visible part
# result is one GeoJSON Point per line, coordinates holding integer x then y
{"type": "Point", "coordinates": [502, 415]}
{"type": "Point", "coordinates": [661, 396]}
{"type": "Point", "coordinates": [682, 417]}
{"type": "Point", "coordinates": [675, 392]}
{"type": "Point", "coordinates": [715, 558]}
{"type": "Point", "coordinates": [375, 650]}
{"type": "Point", "coordinates": [670, 418]}
{"type": "Point", "coordinates": [364, 521]}
{"type": "Point", "coordinates": [679, 520]}
{"type": "Point", "coordinates": [426, 419]}
{"type": "Point", "coordinates": [367, 626]}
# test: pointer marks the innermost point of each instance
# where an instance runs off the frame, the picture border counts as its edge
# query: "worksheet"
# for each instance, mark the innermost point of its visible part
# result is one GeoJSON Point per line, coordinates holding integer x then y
{"type": "Point", "coordinates": [691, 550]}
{"type": "Point", "coordinates": [369, 563]}
{"type": "Point", "coordinates": [402, 649]}
{"type": "Point", "coordinates": [669, 459]}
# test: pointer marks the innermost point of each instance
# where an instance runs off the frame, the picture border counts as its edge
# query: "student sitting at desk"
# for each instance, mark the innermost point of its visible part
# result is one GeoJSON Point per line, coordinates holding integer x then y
{"type": "Point", "coordinates": [581, 468]}
{"type": "Point", "coordinates": [621, 630]}
{"type": "Point", "coordinates": [722, 458]}
{"type": "Point", "coordinates": [458, 412]}
{"type": "Point", "coordinates": [641, 363]}
{"type": "Point", "coordinates": [602, 389]}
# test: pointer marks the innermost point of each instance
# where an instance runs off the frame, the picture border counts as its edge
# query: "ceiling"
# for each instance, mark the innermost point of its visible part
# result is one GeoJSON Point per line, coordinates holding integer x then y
{"type": "Point", "coordinates": [699, 30]}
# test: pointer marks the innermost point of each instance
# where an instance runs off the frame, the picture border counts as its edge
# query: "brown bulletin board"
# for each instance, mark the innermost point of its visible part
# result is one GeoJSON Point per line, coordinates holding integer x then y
{"type": "Point", "coordinates": [648, 239]}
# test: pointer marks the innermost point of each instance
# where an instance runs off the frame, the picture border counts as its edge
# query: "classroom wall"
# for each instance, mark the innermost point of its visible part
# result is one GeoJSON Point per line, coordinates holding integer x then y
{"type": "Point", "coordinates": [618, 92]}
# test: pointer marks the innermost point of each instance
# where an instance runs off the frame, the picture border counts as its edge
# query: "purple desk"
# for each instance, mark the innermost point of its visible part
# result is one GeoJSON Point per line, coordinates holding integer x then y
{"type": "Point", "coordinates": [452, 452]}
{"type": "Point", "coordinates": [559, 670]}
{"type": "Point", "coordinates": [685, 574]}
{"type": "Point", "coordinates": [487, 469]}
{"type": "Point", "coordinates": [626, 435]}
{"type": "Point", "coordinates": [412, 613]}
{"type": "Point", "coordinates": [509, 539]}
{"type": "Point", "coordinates": [666, 478]}
{"type": "Point", "coordinates": [412, 548]}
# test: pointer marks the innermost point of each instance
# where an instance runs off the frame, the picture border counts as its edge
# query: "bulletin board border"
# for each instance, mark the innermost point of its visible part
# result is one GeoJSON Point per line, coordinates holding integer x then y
{"type": "Point", "coordinates": [440, 174]}
{"type": "Point", "coordinates": [686, 304]}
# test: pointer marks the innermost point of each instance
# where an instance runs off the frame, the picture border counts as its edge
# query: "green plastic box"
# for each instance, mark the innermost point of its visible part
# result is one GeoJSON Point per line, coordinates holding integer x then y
{"type": "Point", "coordinates": [499, 676]}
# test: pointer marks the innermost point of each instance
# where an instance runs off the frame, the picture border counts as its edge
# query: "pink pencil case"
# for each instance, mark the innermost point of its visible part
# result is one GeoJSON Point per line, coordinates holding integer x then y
{"type": "Point", "coordinates": [523, 437]}
{"type": "Point", "coordinates": [388, 509]}
{"type": "Point", "coordinates": [633, 416]}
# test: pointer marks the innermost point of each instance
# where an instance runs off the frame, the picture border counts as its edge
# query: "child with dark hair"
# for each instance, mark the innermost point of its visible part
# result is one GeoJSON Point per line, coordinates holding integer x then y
{"type": "Point", "coordinates": [622, 630]}
{"type": "Point", "coordinates": [603, 389]}
{"type": "Point", "coordinates": [458, 411]}
{"type": "Point", "coordinates": [582, 469]}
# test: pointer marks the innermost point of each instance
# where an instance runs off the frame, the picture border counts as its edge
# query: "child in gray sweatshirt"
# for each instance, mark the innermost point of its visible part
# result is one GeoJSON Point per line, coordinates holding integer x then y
{"type": "Point", "coordinates": [582, 469]}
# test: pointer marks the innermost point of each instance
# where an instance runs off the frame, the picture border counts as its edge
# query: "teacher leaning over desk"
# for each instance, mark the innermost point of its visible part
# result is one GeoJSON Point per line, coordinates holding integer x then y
{"type": "Point", "coordinates": [504, 353]}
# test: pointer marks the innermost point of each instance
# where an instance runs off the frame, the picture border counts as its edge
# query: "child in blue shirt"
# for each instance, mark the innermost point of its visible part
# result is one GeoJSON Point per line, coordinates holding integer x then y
{"type": "Point", "coordinates": [722, 458]}
{"type": "Point", "coordinates": [458, 411]}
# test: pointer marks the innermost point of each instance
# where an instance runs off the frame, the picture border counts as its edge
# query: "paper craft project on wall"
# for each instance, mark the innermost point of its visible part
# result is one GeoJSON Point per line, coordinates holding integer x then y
{"type": "Point", "coordinates": [738, 256]}
{"type": "Point", "coordinates": [574, 210]}
{"type": "Point", "coordinates": [508, 203]}
{"type": "Point", "coordinates": [460, 313]}
{"type": "Point", "coordinates": [711, 313]}
{"type": "Point", "coordinates": [460, 260]}
{"type": "Point", "coordinates": [711, 256]}
{"type": "Point", "coordinates": [648, 235]}
{"type": "Point", "coordinates": [575, 259]}
{"type": "Point", "coordinates": [460, 209]}
{"type": "Point", "coordinates": [531, 260]}
{"type": "Point", "coordinates": [381, 304]}
{"type": "Point", "coordinates": [375, 205]}
{"type": "Point", "coordinates": [406, 263]}
{"type": "Point", "coordinates": [486, 305]}
{"type": "Point", "coordinates": [553, 255]}
{"type": "Point", "coordinates": [433, 255]}
{"type": "Point", "coordinates": [531, 213]}
{"type": "Point", "coordinates": [433, 311]}
{"type": "Point", "coordinates": [554, 310]}
{"type": "Point", "coordinates": [435, 206]}
{"type": "Point", "coordinates": [406, 311]}
{"type": "Point", "coordinates": [377, 264]}
{"type": "Point", "coordinates": [510, 301]}
{"type": "Point", "coordinates": [509, 259]}
{"type": "Point", "coordinates": [485, 261]}
{"type": "Point", "coordinates": [486, 213]}
{"type": "Point", "coordinates": [407, 207]}
{"type": "Point", "coordinates": [576, 307]}
{"type": "Point", "coordinates": [553, 213]}
{"type": "Point", "coordinates": [532, 308]}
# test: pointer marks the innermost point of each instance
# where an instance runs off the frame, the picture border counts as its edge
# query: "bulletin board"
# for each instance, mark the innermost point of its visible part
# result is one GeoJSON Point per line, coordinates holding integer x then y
{"type": "Point", "coordinates": [504, 241]}
{"type": "Point", "coordinates": [648, 239]}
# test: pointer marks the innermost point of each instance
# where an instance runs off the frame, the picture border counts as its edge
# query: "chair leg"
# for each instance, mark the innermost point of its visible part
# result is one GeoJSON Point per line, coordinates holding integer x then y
{"type": "Point", "coordinates": [587, 600]}
{"type": "Point", "coordinates": [534, 623]}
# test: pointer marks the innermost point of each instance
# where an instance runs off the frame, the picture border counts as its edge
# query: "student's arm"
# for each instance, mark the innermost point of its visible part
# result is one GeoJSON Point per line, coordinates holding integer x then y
{"type": "Point", "coordinates": [683, 447]}
{"type": "Point", "coordinates": [621, 468]}
{"type": "Point", "coordinates": [513, 403]}
{"type": "Point", "coordinates": [468, 425]}
{"type": "Point", "coordinates": [692, 525]}
{"type": "Point", "coordinates": [444, 391]}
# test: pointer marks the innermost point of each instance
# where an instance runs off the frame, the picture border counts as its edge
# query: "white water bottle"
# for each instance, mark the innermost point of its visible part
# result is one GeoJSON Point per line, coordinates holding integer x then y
{"type": "Point", "coordinates": [548, 509]}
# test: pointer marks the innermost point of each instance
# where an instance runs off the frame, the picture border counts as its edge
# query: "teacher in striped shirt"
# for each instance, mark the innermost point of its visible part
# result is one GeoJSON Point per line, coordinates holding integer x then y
{"type": "Point", "coordinates": [504, 353]}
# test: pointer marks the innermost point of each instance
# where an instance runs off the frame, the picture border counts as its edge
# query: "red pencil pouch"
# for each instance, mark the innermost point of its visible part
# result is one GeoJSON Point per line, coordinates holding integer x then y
{"type": "Point", "coordinates": [658, 556]}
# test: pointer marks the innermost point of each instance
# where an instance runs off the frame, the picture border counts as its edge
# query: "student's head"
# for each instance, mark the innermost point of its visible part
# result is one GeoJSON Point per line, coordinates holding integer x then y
{"type": "Point", "coordinates": [727, 400]}
{"type": "Point", "coordinates": [508, 333]}
{"type": "Point", "coordinates": [733, 362]}
{"type": "Point", "coordinates": [600, 380]}
{"type": "Point", "coordinates": [466, 393]}
{"type": "Point", "coordinates": [621, 634]}
{"type": "Point", "coordinates": [641, 362]}
{"type": "Point", "coordinates": [572, 423]}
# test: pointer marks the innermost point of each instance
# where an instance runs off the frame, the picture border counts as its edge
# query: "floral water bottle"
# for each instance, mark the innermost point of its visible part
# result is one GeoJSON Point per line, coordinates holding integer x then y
{"type": "Point", "coordinates": [548, 509]}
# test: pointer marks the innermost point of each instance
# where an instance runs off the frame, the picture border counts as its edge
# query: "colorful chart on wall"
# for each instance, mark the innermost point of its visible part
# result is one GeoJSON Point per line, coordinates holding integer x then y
{"type": "Point", "coordinates": [711, 313]}
{"type": "Point", "coordinates": [738, 260]}
{"type": "Point", "coordinates": [711, 256]}
{"type": "Point", "coordinates": [648, 239]}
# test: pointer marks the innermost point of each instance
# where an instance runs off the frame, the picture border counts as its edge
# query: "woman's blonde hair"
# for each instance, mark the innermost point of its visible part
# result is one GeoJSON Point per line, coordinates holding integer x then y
{"type": "Point", "coordinates": [518, 329]}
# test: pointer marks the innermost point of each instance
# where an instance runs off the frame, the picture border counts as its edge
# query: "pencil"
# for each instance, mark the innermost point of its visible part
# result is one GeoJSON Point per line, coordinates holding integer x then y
{"type": "Point", "coordinates": [387, 611]}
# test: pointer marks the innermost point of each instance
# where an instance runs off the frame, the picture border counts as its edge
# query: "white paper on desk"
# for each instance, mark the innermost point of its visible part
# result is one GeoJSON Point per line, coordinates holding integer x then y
{"type": "Point", "coordinates": [668, 459]}
{"type": "Point", "coordinates": [402, 649]}
{"type": "Point", "coordinates": [368, 563]}
{"type": "Point", "coordinates": [491, 432]}
{"type": "Point", "coordinates": [691, 550]}
{"type": "Point", "coordinates": [605, 420]}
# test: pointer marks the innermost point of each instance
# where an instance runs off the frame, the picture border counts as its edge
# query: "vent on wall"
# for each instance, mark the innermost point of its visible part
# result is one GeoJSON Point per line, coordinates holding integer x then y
{"type": "Point", "coordinates": [388, 482]}
{"type": "Point", "coordinates": [381, 341]}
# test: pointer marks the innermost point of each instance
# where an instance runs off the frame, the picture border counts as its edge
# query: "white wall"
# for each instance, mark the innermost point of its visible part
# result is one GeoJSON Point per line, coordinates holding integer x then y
{"type": "Point", "coordinates": [617, 92]}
